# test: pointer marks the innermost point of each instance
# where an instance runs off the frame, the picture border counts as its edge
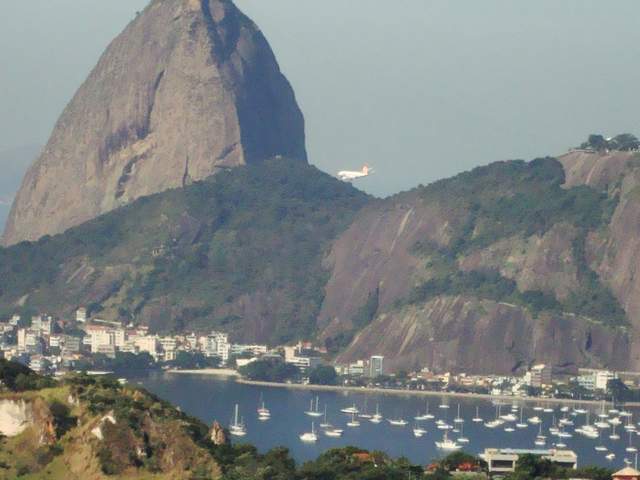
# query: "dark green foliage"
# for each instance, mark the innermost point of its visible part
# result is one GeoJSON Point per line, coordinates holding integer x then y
{"type": "Point", "coordinates": [323, 375]}
{"type": "Point", "coordinates": [62, 418]}
{"type": "Point", "coordinates": [195, 251]}
{"type": "Point", "coordinates": [624, 142]}
{"type": "Point", "coordinates": [515, 197]}
{"type": "Point", "coordinates": [483, 284]}
{"type": "Point", "coordinates": [270, 370]}
{"type": "Point", "coordinates": [123, 364]}
{"type": "Point", "coordinates": [351, 463]}
{"type": "Point", "coordinates": [531, 467]}
{"type": "Point", "coordinates": [194, 360]}
{"type": "Point", "coordinates": [19, 378]}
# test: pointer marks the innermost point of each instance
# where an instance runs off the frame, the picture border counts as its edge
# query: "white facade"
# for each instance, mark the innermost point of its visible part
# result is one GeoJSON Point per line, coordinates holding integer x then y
{"type": "Point", "coordinates": [376, 366]}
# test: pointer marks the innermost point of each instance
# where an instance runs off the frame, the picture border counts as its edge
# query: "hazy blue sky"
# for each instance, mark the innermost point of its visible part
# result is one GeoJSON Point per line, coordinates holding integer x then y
{"type": "Point", "coordinates": [420, 89]}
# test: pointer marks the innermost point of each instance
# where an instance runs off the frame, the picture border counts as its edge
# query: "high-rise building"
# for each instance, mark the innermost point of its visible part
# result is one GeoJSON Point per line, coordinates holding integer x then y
{"type": "Point", "coordinates": [376, 366]}
{"type": "Point", "coordinates": [540, 375]}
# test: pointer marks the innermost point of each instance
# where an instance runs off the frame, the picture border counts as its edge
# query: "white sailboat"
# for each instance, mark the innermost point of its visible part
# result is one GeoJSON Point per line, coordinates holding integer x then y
{"type": "Point", "coordinates": [350, 410]}
{"type": "Point", "coordinates": [458, 418]}
{"type": "Point", "coordinates": [264, 413]}
{"type": "Point", "coordinates": [398, 422]}
{"type": "Point", "coordinates": [462, 439]}
{"type": "Point", "coordinates": [477, 418]}
{"type": "Point", "coordinates": [540, 439]}
{"type": "Point", "coordinates": [631, 448]}
{"type": "Point", "coordinates": [365, 414]}
{"type": "Point", "coordinates": [354, 422]}
{"type": "Point", "coordinates": [418, 431]}
{"type": "Point", "coordinates": [310, 437]}
{"type": "Point", "coordinates": [377, 417]}
{"type": "Point", "coordinates": [333, 432]}
{"type": "Point", "coordinates": [521, 424]}
{"type": "Point", "coordinates": [325, 423]}
{"type": "Point", "coordinates": [314, 411]}
{"type": "Point", "coordinates": [614, 435]}
{"type": "Point", "coordinates": [237, 428]}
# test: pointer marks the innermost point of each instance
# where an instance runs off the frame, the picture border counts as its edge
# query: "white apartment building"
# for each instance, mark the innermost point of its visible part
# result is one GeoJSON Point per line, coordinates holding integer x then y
{"type": "Point", "coordinates": [147, 343]}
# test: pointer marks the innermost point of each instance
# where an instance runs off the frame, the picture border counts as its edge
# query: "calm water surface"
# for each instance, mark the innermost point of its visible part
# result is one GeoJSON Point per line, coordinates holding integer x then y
{"type": "Point", "coordinates": [211, 398]}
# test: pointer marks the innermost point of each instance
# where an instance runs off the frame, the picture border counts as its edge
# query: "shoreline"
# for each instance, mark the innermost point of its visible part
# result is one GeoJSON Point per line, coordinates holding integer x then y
{"type": "Point", "coordinates": [423, 393]}
{"type": "Point", "coordinates": [216, 372]}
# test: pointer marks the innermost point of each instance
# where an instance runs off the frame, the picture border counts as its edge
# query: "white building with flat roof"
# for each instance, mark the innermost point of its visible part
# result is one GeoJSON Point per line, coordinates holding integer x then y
{"type": "Point", "coordinates": [503, 460]}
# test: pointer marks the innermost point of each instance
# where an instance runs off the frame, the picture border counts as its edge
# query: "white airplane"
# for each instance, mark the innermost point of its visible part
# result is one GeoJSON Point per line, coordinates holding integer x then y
{"type": "Point", "coordinates": [350, 176]}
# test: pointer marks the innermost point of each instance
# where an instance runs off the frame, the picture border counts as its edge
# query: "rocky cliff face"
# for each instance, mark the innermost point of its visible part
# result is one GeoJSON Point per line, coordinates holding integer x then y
{"type": "Point", "coordinates": [402, 276]}
{"type": "Point", "coordinates": [190, 87]}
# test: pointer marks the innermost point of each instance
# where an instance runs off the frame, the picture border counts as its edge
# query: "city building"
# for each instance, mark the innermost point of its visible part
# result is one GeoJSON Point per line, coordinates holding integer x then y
{"type": "Point", "coordinates": [541, 375]}
{"type": "Point", "coordinates": [503, 460]}
{"type": "Point", "coordinates": [81, 315]}
{"type": "Point", "coordinates": [376, 366]}
{"type": "Point", "coordinates": [593, 379]}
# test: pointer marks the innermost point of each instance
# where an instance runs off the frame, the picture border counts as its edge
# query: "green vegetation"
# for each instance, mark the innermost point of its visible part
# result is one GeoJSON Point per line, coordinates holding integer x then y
{"type": "Point", "coordinates": [193, 258]}
{"type": "Point", "coordinates": [270, 370]}
{"type": "Point", "coordinates": [18, 378]}
{"type": "Point", "coordinates": [323, 375]}
{"type": "Point", "coordinates": [530, 467]}
{"type": "Point", "coordinates": [516, 198]}
{"type": "Point", "coordinates": [483, 284]}
{"type": "Point", "coordinates": [124, 363]}
{"type": "Point", "coordinates": [623, 142]}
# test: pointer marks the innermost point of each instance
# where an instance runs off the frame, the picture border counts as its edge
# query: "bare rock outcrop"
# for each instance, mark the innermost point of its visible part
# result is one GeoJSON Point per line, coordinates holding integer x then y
{"type": "Point", "coordinates": [188, 88]}
{"type": "Point", "coordinates": [218, 435]}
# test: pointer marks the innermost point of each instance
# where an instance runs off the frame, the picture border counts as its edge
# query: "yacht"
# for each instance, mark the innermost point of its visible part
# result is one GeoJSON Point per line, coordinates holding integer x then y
{"type": "Point", "coordinates": [310, 437]}
{"type": "Point", "coordinates": [477, 418]}
{"type": "Point", "coordinates": [540, 438]}
{"type": "Point", "coordinates": [494, 423]}
{"type": "Point", "coordinates": [443, 406]}
{"type": "Point", "coordinates": [447, 445]}
{"type": "Point", "coordinates": [610, 456]}
{"type": "Point", "coordinates": [631, 448]}
{"type": "Point", "coordinates": [509, 417]}
{"type": "Point", "coordinates": [537, 408]}
{"type": "Point", "coordinates": [547, 410]}
{"type": "Point", "coordinates": [509, 429]}
{"type": "Point", "coordinates": [425, 416]}
{"type": "Point", "coordinates": [534, 420]}
{"type": "Point", "coordinates": [237, 427]}
{"type": "Point", "coordinates": [314, 411]}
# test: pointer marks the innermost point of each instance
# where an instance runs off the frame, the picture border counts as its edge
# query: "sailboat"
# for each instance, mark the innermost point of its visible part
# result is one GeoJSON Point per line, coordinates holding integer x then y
{"type": "Point", "coordinates": [447, 445]}
{"type": "Point", "coordinates": [397, 422]}
{"type": "Point", "coordinates": [462, 438]}
{"type": "Point", "coordinates": [314, 411]}
{"type": "Point", "coordinates": [600, 447]}
{"type": "Point", "coordinates": [365, 414]}
{"type": "Point", "coordinates": [477, 418]}
{"type": "Point", "coordinates": [310, 437]}
{"type": "Point", "coordinates": [354, 422]}
{"type": "Point", "coordinates": [458, 418]}
{"type": "Point", "coordinates": [540, 439]}
{"type": "Point", "coordinates": [350, 410]}
{"type": "Point", "coordinates": [631, 448]}
{"type": "Point", "coordinates": [237, 428]}
{"type": "Point", "coordinates": [324, 423]}
{"type": "Point", "coordinates": [418, 431]}
{"type": "Point", "coordinates": [521, 424]}
{"type": "Point", "coordinates": [614, 435]}
{"type": "Point", "coordinates": [333, 432]}
{"type": "Point", "coordinates": [377, 417]}
{"type": "Point", "coordinates": [264, 413]}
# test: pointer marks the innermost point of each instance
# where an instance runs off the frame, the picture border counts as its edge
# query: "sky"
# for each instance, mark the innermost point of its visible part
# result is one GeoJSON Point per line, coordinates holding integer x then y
{"type": "Point", "coordinates": [418, 89]}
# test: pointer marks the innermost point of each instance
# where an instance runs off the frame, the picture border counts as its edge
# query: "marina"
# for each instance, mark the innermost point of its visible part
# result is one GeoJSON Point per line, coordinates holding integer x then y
{"type": "Point", "coordinates": [310, 422]}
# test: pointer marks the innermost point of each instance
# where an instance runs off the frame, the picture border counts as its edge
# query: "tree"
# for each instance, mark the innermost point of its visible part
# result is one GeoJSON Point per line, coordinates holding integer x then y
{"type": "Point", "coordinates": [323, 375]}
{"type": "Point", "coordinates": [625, 142]}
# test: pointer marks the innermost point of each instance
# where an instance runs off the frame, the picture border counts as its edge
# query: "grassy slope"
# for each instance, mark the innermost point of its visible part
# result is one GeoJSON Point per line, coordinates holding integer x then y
{"type": "Point", "coordinates": [256, 233]}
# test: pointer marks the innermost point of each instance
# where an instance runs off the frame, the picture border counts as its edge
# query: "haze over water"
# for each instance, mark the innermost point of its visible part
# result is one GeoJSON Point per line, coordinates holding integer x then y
{"type": "Point", "coordinates": [210, 398]}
